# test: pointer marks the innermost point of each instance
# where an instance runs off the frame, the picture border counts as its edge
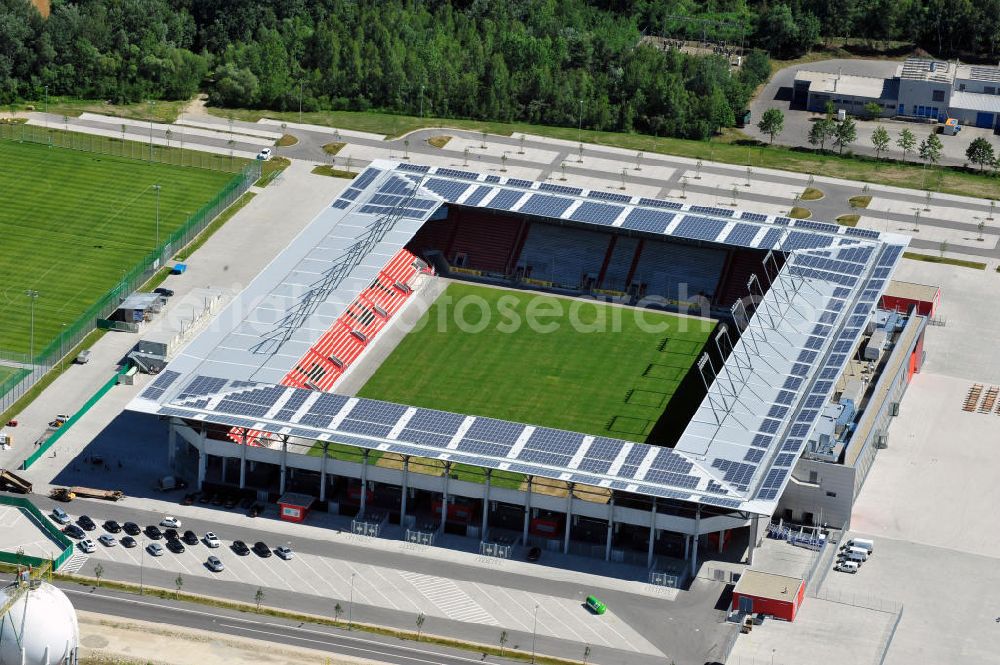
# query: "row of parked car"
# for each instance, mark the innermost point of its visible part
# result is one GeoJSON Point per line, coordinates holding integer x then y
{"type": "Point", "coordinates": [853, 553]}
{"type": "Point", "coordinates": [227, 500]}
{"type": "Point", "coordinates": [174, 541]}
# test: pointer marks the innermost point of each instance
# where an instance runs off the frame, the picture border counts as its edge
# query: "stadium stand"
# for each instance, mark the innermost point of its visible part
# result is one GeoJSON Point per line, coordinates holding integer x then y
{"type": "Point", "coordinates": [663, 267]}
{"type": "Point", "coordinates": [474, 239]}
{"type": "Point", "coordinates": [739, 266]}
{"type": "Point", "coordinates": [622, 254]}
{"type": "Point", "coordinates": [570, 258]}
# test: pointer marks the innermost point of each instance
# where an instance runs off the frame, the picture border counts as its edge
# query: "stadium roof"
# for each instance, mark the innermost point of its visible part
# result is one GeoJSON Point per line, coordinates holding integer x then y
{"type": "Point", "coordinates": [738, 450]}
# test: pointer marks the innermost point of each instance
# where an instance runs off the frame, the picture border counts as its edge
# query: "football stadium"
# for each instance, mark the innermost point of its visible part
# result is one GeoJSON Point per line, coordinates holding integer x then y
{"type": "Point", "coordinates": [531, 364]}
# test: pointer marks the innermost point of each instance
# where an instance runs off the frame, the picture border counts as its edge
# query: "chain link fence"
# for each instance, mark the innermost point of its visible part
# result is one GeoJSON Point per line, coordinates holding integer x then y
{"type": "Point", "coordinates": [19, 371]}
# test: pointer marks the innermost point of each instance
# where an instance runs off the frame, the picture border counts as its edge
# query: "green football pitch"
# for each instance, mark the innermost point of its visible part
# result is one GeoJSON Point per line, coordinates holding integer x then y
{"type": "Point", "coordinates": [569, 371]}
{"type": "Point", "coordinates": [72, 222]}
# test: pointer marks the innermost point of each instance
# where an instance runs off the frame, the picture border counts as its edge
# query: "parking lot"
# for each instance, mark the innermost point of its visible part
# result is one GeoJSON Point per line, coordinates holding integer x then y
{"type": "Point", "coordinates": [22, 534]}
{"type": "Point", "coordinates": [402, 591]}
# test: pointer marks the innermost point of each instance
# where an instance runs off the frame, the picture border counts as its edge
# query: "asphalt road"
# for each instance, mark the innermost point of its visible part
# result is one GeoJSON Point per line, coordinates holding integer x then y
{"type": "Point", "coordinates": [271, 629]}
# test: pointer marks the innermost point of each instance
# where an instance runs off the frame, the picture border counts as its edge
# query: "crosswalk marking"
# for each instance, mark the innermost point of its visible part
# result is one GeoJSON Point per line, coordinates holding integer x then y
{"type": "Point", "coordinates": [74, 564]}
{"type": "Point", "coordinates": [446, 596]}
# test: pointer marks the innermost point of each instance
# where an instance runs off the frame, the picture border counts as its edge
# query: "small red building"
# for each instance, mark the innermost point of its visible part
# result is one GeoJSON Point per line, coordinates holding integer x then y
{"type": "Point", "coordinates": [766, 593]}
{"type": "Point", "coordinates": [294, 507]}
{"type": "Point", "coordinates": [900, 296]}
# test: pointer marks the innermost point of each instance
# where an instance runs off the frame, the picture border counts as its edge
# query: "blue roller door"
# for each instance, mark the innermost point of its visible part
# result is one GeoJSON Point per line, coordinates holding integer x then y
{"type": "Point", "coordinates": [984, 120]}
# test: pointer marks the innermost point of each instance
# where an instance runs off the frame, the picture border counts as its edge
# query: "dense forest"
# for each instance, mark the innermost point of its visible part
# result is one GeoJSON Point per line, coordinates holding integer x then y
{"type": "Point", "coordinates": [558, 62]}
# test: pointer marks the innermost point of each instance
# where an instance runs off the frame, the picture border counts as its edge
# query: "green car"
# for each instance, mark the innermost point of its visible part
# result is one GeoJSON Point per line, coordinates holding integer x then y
{"type": "Point", "coordinates": [595, 605]}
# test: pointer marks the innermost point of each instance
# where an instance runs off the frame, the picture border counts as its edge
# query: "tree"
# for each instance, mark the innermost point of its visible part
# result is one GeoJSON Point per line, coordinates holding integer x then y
{"type": "Point", "coordinates": [98, 573]}
{"type": "Point", "coordinates": [943, 247]}
{"type": "Point", "coordinates": [820, 132]}
{"type": "Point", "coordinates": [930, 149]}
{"type": "Point", "coordinates": [873, 110]}
{"type": "Point", "coordinates": [845, 133]}
{"type": "Point", "coordinates": [503, 641]}
{"type": "Point", "coordinates": [420, 624]}
{"type": "Point", "coordinates": [178, 583]}
{"type": "Point", "coordinates": [338, 610]}
{"type": "Point", "coordinates": [772, 122]}
{"type": "Point", "coordinates": [880, 141]}
{"type": "Point", "coordinates": [980, 151]}
{"type": "Point", "coordinates": [906, 142]}
{"type": "Point", "coordinates": [258, 597]}
{"type": "Point", "coordinates": [829, 109]}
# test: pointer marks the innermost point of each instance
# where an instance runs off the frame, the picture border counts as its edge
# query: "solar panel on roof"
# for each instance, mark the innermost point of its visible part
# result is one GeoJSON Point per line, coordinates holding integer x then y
{"type": "Point", "coordinates": [659, 203]}
{"type": "Point", "coordinates": [804, 240]}
{"type": "Point", "coordinates": [496, 431]}
{"type": "Point", "coordinates": [484, 448]}
{"type": "Point", "coordinates": [709, 210]}
{"type": "Point", "coordinates": [505, 199]}
{"type": "Point", "coordinates": [861, 233]}
{"type": "Point", "coordinates": [816, 226]}
{"type": "Point", "coordinates": [366, 178]}
{"type": "Point", "coordinates": [700, 228]}
{"type": "Point", "coordinates": [447, 189]}
{"type": "Point", "coordinates": [652, 221]}
{"type": "Point", "coordinates": [547, 206]}
{"type": "Point", "coordinates": [517, 182]}
{"type": "Point", "coordinates": [415, 168]}
{"type": "Point", "coordinates": [610, 196]}
{"type": "Point", "coordinates": [560, 189]}
{"type": "Point", "coordinates": [492, 178]}
{"type": "Point", "coordinates": [478, 195]}
{"type": "Point", "coordinates": [341, 204]}
{"type": "Point", "coordinates": [742, 234]}
{"type": "Point", "coordinates": [202, 385]}
{"type": "Point", "coordinates": [753, 217]}
{"type": "Point", "coordinates": [440, 422]}
{"type": "Point", "coordinates": [596, 213]}
{"type": "Point", "coordinates": [454, 173]}
{"type": "Point", "coordinates": [422, 437]}
{"type": "Point", "coordinates": [771, 238]}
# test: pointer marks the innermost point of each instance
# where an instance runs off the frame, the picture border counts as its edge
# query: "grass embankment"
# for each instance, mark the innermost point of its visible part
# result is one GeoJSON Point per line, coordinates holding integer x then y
{"type": "Point", "coordinates": [271, 169]}
{"type": "Point", "coordinates": [860, 201]}
{"type": "Point", "coordinates": [811, 194]}
{"type": "Point", "coordinates": [438, 141]}
{"type": "Point", "coordinates": [72, 107]}
{"type": "Point", "coordinates": [333, 148]}
{"type": "Point", "coordinates": [326, 169]}
{"type": "Point", "coordinates": [930, 258]}
{"type": "Point", "coordinates": [848, 220]}
{"type": "Point", "coordinates": [286, 140]}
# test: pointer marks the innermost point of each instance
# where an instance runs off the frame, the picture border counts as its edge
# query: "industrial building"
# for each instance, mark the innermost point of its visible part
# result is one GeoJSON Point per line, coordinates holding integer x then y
{"type": "Point", "coordinates": [808, 369]}
{"type": "Point", "coordinates": [921, 88]}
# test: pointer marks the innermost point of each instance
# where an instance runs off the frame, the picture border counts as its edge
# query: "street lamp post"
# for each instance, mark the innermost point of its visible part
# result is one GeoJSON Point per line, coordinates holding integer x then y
{"type": "Point", "coordinates": [350, 604]}
{"type": "Point", "coordinates": [534, 631]}
{"type": "Point", "coordinates": [142, 561]}
{"type": "Point", "coordinates": [421, 100]}
{"type": "Point", "coordinates": [156, 188]}
{"type": "Point", "coordinates": [152, 105]}
{"type": "Point", "coordinates": [579, 123]}
{"type": "Point", "coordinates": [300, 102]}
{"type": "Point", "coordinates": [33, 295]}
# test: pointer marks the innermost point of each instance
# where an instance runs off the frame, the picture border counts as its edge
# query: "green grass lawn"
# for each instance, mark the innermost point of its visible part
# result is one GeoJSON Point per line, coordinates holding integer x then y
{"type": "Point", "coordinates": [611, 383]}
{"type": "Point", "coordinates": [73, 221]}
{"type": "Point", "coordinates": [7, 373]}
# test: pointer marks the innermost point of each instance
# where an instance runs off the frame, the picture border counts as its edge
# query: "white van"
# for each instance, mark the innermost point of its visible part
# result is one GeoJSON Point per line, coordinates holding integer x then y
{"type": "Point", "coordinates": [854, 554]}
{"type": "Point", "coordinates": [863, 543]}
{"type": "Point", "coordinates": [848, 567]}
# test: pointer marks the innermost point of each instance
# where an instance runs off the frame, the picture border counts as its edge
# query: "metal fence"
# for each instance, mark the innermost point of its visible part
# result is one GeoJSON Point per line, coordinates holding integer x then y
{"type": "Point", "coordinates": [420, 537]}
{"type": "Point", "coordinates": [498, 550]}
{"type": "Point", "coordinates": [28, 370]}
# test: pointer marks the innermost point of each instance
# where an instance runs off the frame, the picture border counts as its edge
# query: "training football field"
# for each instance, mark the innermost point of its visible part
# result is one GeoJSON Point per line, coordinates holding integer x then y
{"type": "Point", "coordinates": [72, 223]}
{"type": "Point", "coordinates": [569, 371]}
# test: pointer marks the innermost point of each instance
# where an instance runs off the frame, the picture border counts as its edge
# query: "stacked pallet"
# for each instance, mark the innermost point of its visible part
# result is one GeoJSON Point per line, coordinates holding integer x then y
{"type": "Point", "coordinates": [989, 400]}
{"type": "Point", "coordinates": [972, 399]}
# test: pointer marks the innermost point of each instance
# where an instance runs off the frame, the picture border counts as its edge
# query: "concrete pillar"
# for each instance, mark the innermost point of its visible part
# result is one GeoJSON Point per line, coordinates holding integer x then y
{"type": "Point", "coordinates": [753, 539]}
{"type": "Point", "coordinates": [611, 528]}
{"type": "Point", "coordinates": [694, 548]}
{"type": "Point", "coordinates": [687, 547]}
{"type": "Point", "coordinates": [224, 465]}
{"type": "Point", "coordinates": [652, 536]}
{"type": "Point", "coordinates": [444, 495]}
{"type": "Point", "coordinates": [527, 514]}
{"type": "Point", "coordinates": [569, 517]}
{"type": "Point", "coordinates": [171, 446]}
{"type": "Point", "coordinates": [322, 472]}
{"type": "Point", "coordinates": [243, 461]}
{"type": "Point", "coordinates": [406, 490]}
{"type": "Point", "coordinates": [201, 468]}
{"type": "Point", "coordinates": [722, 541]}
{"type": "Point", "coordinates": [364, 482]}
{"type": "Point", "coordinates": [486, 504]}
{"type": "Point", "coordinates": [284, 464]}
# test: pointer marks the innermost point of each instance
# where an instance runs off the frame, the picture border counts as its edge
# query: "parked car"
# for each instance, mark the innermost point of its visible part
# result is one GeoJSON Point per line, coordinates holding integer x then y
{"type": "Point", "coordinates": [534, 554]}
{"type": "Point", "coordinates": [165, 292]}
{"type": "Point", "coordinates": [264, 154]}
{"type": "Point", "coordinates": [847, 566]}
{"type": "Point", "coordinates": [256, 509]}
{"type": "Point", "coordinates": [175, 546]}
{"type": "Point", "coordinates": [86, 523]}
{"type": "Point", "coordinates": [284, 552]}
{"type": "Point", "coordinates": [88, 546]}
{"type": "Point", "coordinates": [128, 541]}
{"type": "Point", "coordinates": [170, 534]}
{"type": "Point", "coordinates": [211, 540]}
{"type": "Point", "coordinates": [240, 548]}
{"type": "Point", "coordinates": [131, 528]}
{"type": "Point", "coordinates": [154, 532]}
{"type": "Point", "coordinates": [215, 564]}
{"type": "Point", "coordinates": [73, 531]}
{"type": "Point", "coordinates": [231, 501]}
{"type": "Point", "coordinates": [190, 537]}
{"type": "Point", "coordinates": [261, 549]}
{"type": "Point", "coordinates": [596, 605]}
{"type": "Point", "coordinates": [171, 522]}
{"type": "Point", "coordinates": [60, 517]}
{"type": "Point", "coordinates": [189, 498]}
{"type": "Point", "coordinates": [108, 540]}
{"type": "Point", "coordinates": [112, 526]}
{"type": "Point", "coordinates": [155, 549]}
